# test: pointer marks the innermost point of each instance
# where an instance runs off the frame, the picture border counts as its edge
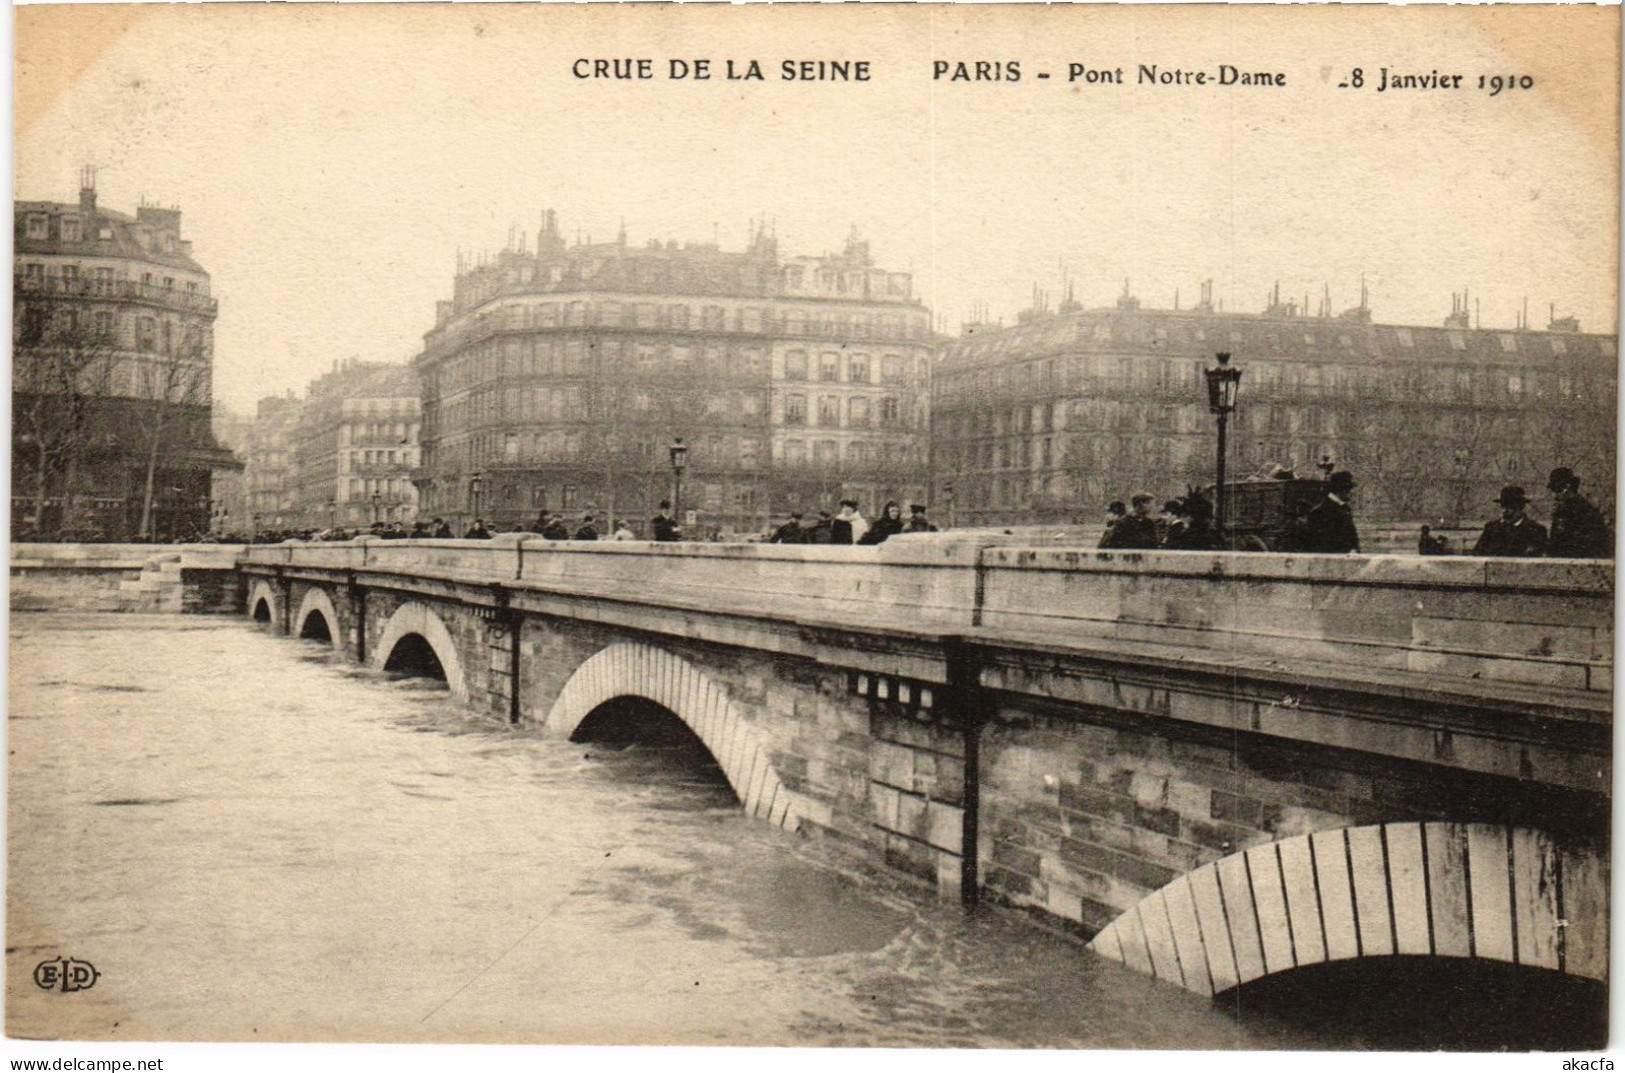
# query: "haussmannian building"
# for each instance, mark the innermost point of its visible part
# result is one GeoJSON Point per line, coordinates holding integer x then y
{"type": "Point", "coordinates": [268, 465]}
{"type": "Point", "coordinates": [112, 370]}
{"type": "Point", "coordinates": [353, 447]}
{"type": "Point", "coordinates": [556, 379]}
{"type": "Point", "coordinates": [1056, 416]}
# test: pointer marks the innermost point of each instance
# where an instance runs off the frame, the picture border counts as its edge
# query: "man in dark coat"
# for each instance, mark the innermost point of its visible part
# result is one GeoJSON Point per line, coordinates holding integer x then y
{"type": "Point", "coordinates": [917, 521]}
{"type": "Point", "coordinates": [1514, 535]}
{"type": "Point", "coordinates": [477, 531]}
{"type": "Point", "coordinates": [556, 529]}
{"type": "Point", "coordinates": [586, 530]}
{"type": "Point", "coordinates": [1329, 528]}
{"type": "Point", "coordinates": [663, 527]}
{"type": "Point", "coordinates": [1579, 530]}
{"type": "Point", "coordinates": [818, 531]}
{"type": "Point", "coordinates": [1115, 513]}
{"type": "Point", "coordinates": [1138, 529]}
{"type": "Point", "coordinates": [791, 532]}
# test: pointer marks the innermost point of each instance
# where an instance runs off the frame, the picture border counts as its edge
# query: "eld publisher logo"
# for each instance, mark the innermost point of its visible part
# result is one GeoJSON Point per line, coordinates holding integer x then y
{"type": "Point", "coordinates": [65, 974]}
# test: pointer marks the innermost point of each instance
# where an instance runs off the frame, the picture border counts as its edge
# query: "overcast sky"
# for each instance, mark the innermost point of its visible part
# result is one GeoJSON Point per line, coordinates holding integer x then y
{"type": "Point", "coordinates": [330, 161]}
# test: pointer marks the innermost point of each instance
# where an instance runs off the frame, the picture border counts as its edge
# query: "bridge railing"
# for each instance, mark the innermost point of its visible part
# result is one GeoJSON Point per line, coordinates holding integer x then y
{"type": "Point", "coordinates": [1546, 623]}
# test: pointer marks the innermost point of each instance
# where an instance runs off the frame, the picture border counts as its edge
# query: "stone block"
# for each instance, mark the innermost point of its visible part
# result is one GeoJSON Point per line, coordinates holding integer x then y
{"type": "Point", "coordinates": [945, 827]}
{"type": "Point", "coordinates": [1189, 798]}
{"type": "Point", "coordinates": [1008, 854]}
{"type": "Point", "coordinates": [1093, 801]}
{"type": "Point", "coordinates": [1148, 791]}
{"type": "Point", "coordinates": [911, 817]}
{"type": "Point", "coordinates": [1164, 821]}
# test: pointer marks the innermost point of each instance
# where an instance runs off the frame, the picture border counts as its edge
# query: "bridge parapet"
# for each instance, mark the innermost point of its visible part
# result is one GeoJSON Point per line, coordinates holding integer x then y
{"type": "Point", "coordinates": [1544, 623]}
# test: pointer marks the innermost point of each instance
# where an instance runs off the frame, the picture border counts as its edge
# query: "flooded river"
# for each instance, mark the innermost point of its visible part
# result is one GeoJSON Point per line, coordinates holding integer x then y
{"type": "Point", "coordinates": [251, 839]}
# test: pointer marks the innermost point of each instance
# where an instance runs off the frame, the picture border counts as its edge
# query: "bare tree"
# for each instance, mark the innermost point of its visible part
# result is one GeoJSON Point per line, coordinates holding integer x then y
{"type": "Point", "coordinates": [169, 384]}
{"type": "Point", "coordinates": [62, 370]}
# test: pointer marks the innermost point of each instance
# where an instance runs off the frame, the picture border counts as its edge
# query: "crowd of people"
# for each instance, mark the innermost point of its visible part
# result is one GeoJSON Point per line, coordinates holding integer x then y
{"type": "Point", "coordinates": [1578, 529]}
{"type": "Point", "coordinates": [850, 526]}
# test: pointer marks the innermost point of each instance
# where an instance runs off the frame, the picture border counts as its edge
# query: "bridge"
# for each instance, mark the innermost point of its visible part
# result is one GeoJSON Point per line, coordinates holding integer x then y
{"type": "Point", "coordinates": [1217, 767]}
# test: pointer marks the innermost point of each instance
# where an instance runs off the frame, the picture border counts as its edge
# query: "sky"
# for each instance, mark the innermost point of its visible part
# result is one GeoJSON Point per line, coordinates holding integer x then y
{"type": "Point", "coordinates": [330, 162]}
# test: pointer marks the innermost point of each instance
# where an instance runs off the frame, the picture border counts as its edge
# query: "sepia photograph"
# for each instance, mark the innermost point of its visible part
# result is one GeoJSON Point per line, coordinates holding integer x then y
{"type": "Point", "coordinates": [1046, 528]}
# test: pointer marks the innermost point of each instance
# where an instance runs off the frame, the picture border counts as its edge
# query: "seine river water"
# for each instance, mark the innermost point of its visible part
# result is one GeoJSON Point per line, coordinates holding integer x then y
{"type": "Point", "coordinates": [250, 839]}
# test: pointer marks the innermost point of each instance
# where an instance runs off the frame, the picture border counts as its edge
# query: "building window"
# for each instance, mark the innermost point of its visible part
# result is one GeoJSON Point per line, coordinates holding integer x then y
{"type": "Point", "coordinates": [829, 366]}
{"type": "Point", "coordinates": [795, 453]}
{"type": "Point", "coordinates": [827, 452]}
{"type": "Point", "coordinates": [829, 411]}
{"type": "Point", "coordinates": [795, 409]}
{"type": "Point", "coordinates": [858, 411]}
{"type": "Point", "coordinates": [146, 333]}
{"type": "Point", "coordinates": [795, 365]}
{"type": "Point", "coordinates": [70, 229]}
{"type": "Point", "coordinates": [857, 369]}
{"type": "Point", "coordinates": [33, 274]}
{"type": "Point", "coordinates": [38, 225]}
{"type": "Point", "coordinates": [891, 367]}
{"type": "Point", "coordinates": [889, 410]}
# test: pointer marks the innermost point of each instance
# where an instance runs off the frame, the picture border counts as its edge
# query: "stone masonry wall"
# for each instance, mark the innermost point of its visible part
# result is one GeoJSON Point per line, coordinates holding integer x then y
{"type": "Point", "coordinates": [1081, 820]}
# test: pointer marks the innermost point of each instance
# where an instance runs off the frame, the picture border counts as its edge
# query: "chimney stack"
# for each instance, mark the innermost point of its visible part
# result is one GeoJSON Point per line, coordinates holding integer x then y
{"type": "Point", "coordinates": [87, 189]}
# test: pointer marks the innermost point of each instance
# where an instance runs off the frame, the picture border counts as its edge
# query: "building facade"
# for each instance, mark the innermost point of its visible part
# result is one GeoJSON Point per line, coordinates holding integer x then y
{"type": "Point", "coordinates": [1053, 418]}
{"type": "Point", "coordinates": [353, 447]}
{"type": "Point", "coordinates": [268, 466]}
{"type": "Point", "coordinates": [555, 379]}
{"type": "Point", "coordinates": [112, 363]}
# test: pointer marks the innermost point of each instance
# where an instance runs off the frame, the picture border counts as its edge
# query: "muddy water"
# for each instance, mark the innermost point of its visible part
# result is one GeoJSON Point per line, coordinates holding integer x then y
{"type": "Point", "coordinates": [250, 839]}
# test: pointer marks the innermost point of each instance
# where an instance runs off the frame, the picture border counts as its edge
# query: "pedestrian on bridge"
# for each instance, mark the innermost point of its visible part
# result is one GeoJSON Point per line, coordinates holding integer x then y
{"type": "Point", "coordinates": [586, 530]}
{"type": "Point", "coordinates": [663, 527]}
{"type": "Point", "coordinates": [791, 532]}
{"type": "Point", "coordinates": [477, 531]}
{"type": "Point", "coordinates": [889, 524]}
{"type": "Point", "coordinates": [1329, 527]}
{"type": "Point", "coordinates": [1579, 530]}
{"type": "Point", "coordinates": [1514, 535]}
{"type": "Point", "coordinates": [1138, 529]}
{"type": "Point", "coordinates": [849, 525]}
{"type": "Point", "coordinates": [917, 521]}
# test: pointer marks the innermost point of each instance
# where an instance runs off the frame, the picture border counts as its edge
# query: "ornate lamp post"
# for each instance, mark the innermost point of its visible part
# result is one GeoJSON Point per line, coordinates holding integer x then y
{"type": "Point", "coordinates": [474, 484]}
{"type": "Point", "coordinates": [1222, 385]}
{"type": "Point", "coordinates": [679, 460]}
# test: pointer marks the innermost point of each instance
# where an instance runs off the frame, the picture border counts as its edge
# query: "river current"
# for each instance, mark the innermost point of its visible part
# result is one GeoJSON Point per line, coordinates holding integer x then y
{"type": "Point", "coordinates": [251, 839]}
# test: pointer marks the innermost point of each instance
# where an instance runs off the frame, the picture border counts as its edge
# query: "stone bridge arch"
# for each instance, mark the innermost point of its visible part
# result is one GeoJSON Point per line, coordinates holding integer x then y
{"type": "Point", "coordinates": [264, 591]}
{"type": "Point", "coordinates": [413, 617]}
{"type": "Point", "coordinates": [1432, 889]}
{"type": "Point", "coordinates": [316, 601]}
{"type": "Point", "coordinates": [641, 670]}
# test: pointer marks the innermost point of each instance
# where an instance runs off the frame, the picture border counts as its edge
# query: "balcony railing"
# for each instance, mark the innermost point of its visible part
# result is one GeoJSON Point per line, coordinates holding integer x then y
{"type": "Point", "coordinates": [448, 340]}
{"type": "Point", "coordinates": [56, 286]}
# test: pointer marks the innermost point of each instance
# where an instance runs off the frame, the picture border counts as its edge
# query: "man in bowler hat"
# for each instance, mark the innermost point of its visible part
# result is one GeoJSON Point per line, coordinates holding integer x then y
{"type": "Point", "coordinates": [1514, 534]}
{"type": "Point", "coordinates": [1329, 528]}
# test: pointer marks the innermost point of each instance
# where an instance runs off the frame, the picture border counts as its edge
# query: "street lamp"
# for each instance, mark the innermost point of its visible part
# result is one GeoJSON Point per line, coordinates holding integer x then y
{"type": "Point", "coordinates": [376, 500]}
{"type": "Point", "coordinates": [474, 484]}
{"type": "Point", "coordinates": [679, 459]}
{"type": "Point", "coordinates": [254, 531]}
{"type": "Point", "coordinates": [948, 494]}
{"type": "Point", "coordinates": [1222, 384]}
